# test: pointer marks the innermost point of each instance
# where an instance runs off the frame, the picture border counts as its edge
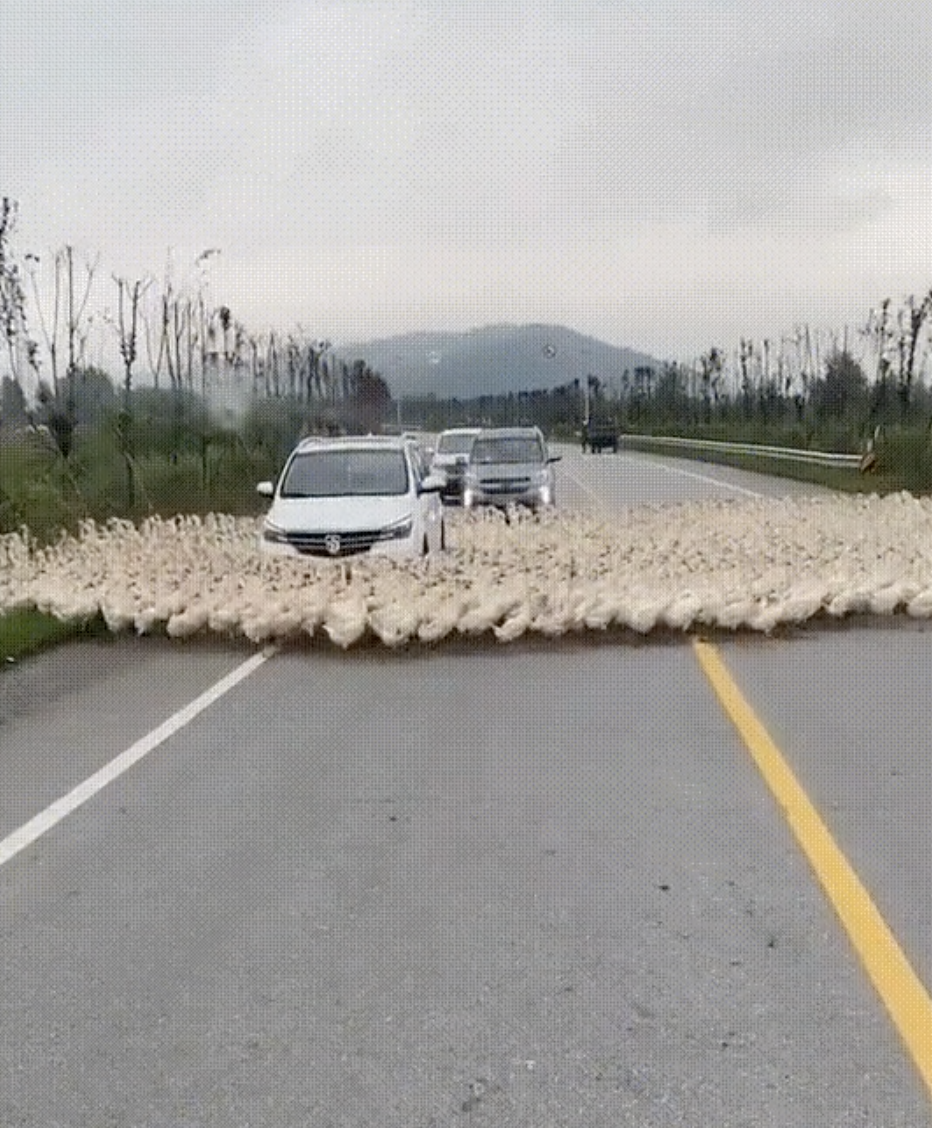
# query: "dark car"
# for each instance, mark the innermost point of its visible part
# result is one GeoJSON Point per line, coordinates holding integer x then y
{"type": "Point", "coordinates": [599, 435]}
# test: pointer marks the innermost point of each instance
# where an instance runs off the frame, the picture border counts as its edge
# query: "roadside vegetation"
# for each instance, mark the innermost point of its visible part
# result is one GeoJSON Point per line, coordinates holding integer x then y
{"type": "Point", "coordinates": [27, 632]}
{"type": "Point", "coordinates": [865, 394]}
{"type": "Point", "coordinates": [218, 408]}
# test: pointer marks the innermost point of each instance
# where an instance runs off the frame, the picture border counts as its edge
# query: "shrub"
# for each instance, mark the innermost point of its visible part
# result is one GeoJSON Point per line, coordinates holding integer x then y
{"type": "Point", "coordinates": [907, 456]}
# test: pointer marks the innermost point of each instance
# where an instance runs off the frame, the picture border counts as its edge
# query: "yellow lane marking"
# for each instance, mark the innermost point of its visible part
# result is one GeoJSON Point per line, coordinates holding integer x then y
{"type": "Point", "coordinates": [901, 990]}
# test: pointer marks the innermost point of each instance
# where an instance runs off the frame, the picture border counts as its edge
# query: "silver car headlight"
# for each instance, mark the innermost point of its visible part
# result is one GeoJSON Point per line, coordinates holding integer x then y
{"type": "Point", "coordinates": [398, 530]}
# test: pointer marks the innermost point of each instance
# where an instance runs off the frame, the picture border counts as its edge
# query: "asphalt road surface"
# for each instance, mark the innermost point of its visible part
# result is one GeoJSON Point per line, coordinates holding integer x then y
{"type": "Point", "coordinates": [537, 884]}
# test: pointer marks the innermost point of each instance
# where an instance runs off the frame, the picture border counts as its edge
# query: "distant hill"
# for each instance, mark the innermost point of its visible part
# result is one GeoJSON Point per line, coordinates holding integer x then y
{"type": "Point", "coordinates": [492, 360]}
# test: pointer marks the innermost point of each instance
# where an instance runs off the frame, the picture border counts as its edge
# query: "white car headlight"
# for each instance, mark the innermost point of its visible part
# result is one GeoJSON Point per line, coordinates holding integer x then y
{"type": "Point", "coordinates": [398, 530]}
{"type": "Point", "coordinates": [273, 533]}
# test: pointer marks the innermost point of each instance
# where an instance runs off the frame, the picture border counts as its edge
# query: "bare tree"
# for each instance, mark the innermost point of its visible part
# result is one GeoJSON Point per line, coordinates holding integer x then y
{"type": "Point", "coordinates": [176, 340]}
{"type": "Point", "coordinates": [879, 331]}
{"type": "Point", "coordinates": [312, 373]}
{"type": "Point", "coordinates": [710, 375]}
{"type": "Point", "coordinates": [50, 326]}
{"type": "Point", "coordinates": [914, 316]}
{"type": "Point", "coordinates": [76, 306]}
{"type": "Point", "coordinates": [127, 328]}
{"type": "Point", "coordinates": [745, 357]}
{"type": "Point", "coordinates": [273, 376]}
{"type": "Point", "coordinates": [258, 371]}
{"type": "Point", "coordinates": [128, 303]}
{"type": "Point", "coordinates": [21, 349]}
{"type": "Point", "coordinates": [155, 353]}
{"type": "Point", "coordinates": [190, 336]}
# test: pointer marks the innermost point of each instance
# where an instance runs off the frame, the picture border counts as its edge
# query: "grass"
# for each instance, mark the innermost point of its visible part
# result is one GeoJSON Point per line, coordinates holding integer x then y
{"type": "Point", "coordinates": [25, 632]}
{"type": "Point", "coordinates": [842, 478]}
{"type": "Point", "coordinates": [39, 491]}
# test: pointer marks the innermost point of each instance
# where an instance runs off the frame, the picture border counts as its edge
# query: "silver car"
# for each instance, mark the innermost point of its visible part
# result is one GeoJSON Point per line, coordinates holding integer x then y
{"type": "Point", "coordinates": [450, 458]}
{"type": "Point", "coordinates": [510, 465]}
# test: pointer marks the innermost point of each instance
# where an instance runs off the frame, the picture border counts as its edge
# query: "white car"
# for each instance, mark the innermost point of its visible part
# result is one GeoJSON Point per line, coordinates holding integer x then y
{"type": "Point", "coordinates": [351, 495]}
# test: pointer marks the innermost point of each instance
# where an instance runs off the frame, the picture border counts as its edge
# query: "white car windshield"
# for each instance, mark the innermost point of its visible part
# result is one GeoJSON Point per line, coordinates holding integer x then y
{"type": "Point", "coordinates": [517, 449]}
{"type": "Point", "coordinates": [346, 473]}
{"type": "Point", "coordinates": [454, 444]}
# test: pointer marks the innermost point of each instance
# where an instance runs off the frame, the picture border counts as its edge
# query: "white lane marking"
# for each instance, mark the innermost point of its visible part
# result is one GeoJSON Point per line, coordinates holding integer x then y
{"type": "Point", "coordinates": [705, 478]}
{"type": "Point", "coordinates": [599, 502]}
{"type": "Point", "coordinates": [45, 820]}
{"type": "Point", "coordinates": [671, 470]}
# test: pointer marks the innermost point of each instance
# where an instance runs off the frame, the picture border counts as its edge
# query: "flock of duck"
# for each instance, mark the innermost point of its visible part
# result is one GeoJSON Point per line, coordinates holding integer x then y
{"type": "Point", "coordinates": [734, 564]}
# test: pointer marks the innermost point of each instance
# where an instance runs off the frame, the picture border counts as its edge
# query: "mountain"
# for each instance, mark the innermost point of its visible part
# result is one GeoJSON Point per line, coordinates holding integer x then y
{"type": "Point", "coordinates": [492, 360]}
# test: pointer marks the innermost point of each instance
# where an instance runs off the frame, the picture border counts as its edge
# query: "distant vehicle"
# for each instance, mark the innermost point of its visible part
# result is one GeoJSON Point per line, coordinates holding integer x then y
{"type": "Point", "coordinates": [599, 435]}
{"type": "Point", "coordinates": [451, 455]}
{"type": "Point", "coordinates": [510, 465]}
{"type": "Point", "coordinates": [354, 494]}
{"type": "Point", "coordinates": [423, 441]}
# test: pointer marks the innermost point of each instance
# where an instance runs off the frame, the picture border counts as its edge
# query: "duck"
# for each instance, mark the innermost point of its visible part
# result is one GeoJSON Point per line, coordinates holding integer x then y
{"type": "Point", "coordinates": [191, 619]}
{"type": "Point", "coordinates": [345, 620]}
{"type": "Point", "coordinates": [395, 622]}
{"type": "Point", "coordinates": [515, 622]}
{"type": "Point", "coordinates": [920, 606]}
{"type": "Point", "coordinates": [744, 564]}
{"type": "Point", "coordinates": [683, 610]}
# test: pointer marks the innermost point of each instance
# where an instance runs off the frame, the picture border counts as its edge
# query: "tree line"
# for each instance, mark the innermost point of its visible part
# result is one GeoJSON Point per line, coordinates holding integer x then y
{"type": "Point", "coordinates": [173, 335]}
{"type": "Point", "coordinates": [813, 388]}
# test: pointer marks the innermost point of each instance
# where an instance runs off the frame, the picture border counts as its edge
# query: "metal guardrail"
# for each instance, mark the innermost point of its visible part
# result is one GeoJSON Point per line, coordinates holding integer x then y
{"type": "Point", "coordinates": [789, 454]}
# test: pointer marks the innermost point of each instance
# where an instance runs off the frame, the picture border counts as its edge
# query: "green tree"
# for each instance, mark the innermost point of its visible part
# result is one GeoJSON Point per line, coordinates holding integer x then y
{"type": "Point", "coordinates": [843, 387]}
{"type": "Point", "coordinates": [13, 410]}
{"type": "Point", "coordinates": [670, 395]}
{"type": "Point", "coordinates": [91, 391]}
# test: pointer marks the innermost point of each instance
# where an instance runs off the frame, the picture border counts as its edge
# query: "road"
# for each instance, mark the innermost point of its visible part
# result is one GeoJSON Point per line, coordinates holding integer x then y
{"type": "Point", "coordinates": [536, 884]}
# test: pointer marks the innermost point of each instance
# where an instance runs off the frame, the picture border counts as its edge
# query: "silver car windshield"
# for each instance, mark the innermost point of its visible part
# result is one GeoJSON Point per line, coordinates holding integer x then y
{"type": "Point", "coordinates": [515, 449]}
{"type": "Point", "coordinates": [454, 444]}
{"type": "Point", "coordinates": [346, 473]}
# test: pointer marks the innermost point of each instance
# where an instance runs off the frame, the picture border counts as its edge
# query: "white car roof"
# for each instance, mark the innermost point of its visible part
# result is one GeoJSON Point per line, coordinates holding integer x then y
{"type": "Point", "coordinates": [355, 442]}
{"type": "Point", "coordinates": [511, 433]}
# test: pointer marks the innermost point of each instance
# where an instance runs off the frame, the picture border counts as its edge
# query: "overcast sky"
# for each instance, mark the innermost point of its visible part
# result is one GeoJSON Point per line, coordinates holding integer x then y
{"type": "Point", "coordinates": [663, 174]}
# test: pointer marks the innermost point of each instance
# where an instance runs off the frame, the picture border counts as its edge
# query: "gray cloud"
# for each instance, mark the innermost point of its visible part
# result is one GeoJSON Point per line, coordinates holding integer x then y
{"type": "Point", "coordinates": [431, 158]}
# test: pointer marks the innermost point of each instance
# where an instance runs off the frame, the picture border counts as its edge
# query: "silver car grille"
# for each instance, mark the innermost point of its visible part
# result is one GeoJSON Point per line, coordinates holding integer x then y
{"type": "Point", "coordinates": [506, 485]}
{"type": "Point", "coordinates": [335, 544]}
